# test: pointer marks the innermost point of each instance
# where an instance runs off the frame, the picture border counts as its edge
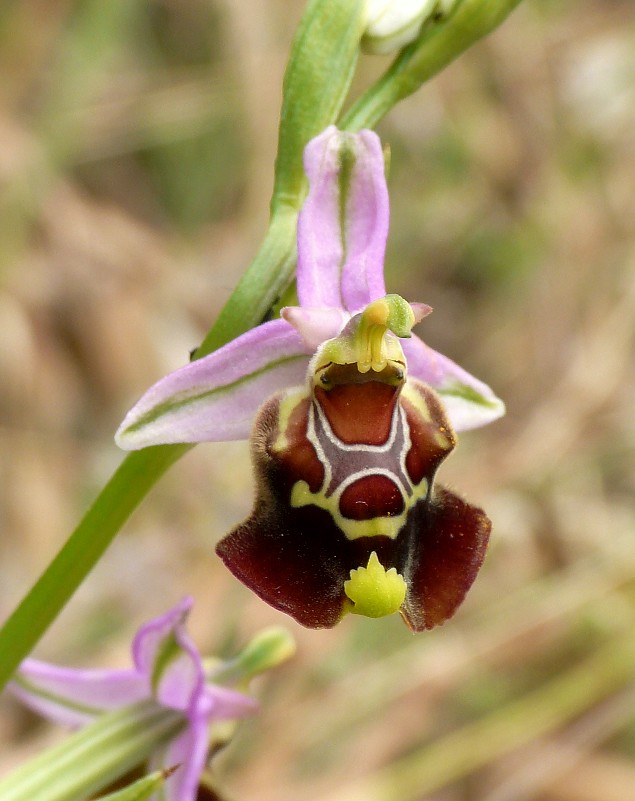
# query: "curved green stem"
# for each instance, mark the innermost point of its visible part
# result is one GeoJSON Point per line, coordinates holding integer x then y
{"type": "Point", "coordinates": [129, 484]}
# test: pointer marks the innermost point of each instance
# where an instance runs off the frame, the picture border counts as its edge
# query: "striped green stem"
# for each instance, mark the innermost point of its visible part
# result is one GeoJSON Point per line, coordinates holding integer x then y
{"type": "Point", "coordinates": [95, 756]}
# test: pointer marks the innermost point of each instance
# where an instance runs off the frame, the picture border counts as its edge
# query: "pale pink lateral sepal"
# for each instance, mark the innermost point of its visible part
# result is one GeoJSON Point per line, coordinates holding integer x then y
{"type": "Point", "coordinates": [468, 402]}
{"type": "Point", "coordinates": [343, 224]}
{"type": "Point", "coordinates": [216, 398]}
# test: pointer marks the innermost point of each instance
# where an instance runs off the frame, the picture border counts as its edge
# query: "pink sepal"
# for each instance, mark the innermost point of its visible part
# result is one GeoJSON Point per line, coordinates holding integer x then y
{"type": "Point", "coordinates": [469, 403]}
{"type": "Point", "coordinates": [343, 224]}
{"type": "Point", "coordinates": [216, 398]}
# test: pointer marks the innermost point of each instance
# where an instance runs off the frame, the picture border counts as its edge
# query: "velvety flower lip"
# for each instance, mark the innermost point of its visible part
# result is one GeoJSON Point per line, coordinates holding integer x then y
{"type": "Point", "coordinates": [342, 231]}
{"type": "Point", "coordinates": [167, 668]}
{"type": "Point", "coordinates": [348, 516]}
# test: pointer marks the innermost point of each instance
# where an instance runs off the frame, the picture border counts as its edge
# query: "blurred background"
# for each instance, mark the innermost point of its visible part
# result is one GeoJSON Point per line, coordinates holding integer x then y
{"type": "Point", "coordinates": [137, 139]}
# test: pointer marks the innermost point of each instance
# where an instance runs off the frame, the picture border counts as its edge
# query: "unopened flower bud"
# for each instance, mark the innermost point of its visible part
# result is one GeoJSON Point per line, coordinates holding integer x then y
{"type": "Point", "coordinates": [391, 24]}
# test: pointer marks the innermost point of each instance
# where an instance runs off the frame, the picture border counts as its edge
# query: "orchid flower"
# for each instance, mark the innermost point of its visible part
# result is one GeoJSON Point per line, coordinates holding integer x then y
{"type": "Point", "coordinates": [351, 422]}
{"type": "Point", "coordinates": [168, 671]}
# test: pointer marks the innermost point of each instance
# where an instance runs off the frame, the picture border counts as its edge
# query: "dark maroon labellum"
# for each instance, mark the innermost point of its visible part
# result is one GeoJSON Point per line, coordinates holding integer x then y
{"type": "Point", "coordinates": [346, 472]}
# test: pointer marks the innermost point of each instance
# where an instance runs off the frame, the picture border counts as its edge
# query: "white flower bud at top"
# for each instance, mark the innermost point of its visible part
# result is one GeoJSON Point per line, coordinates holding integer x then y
{"type": "Point", "coordinates": [391, 24]}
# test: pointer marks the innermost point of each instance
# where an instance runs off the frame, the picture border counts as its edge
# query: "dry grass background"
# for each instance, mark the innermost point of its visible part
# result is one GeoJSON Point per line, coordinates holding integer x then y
{"type": "Point", "coordinates": [136, 144]}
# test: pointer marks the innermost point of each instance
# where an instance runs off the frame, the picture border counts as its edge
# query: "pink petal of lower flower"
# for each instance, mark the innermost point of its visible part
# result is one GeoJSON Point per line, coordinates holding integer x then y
{"type": "Point", "coordinates": [188, 750]}
{"type": "Point", "coordinates": [468, 402]}
{"type": "Point", "coordinates": [75, 697]}
{"type": "Point", "coordinates": [221, 703]}
{"type": "Point", "coordinates": [215, 398]}
{"type": "Point", "coordinates": [182, 679]}
{"type": "Point", "coordinates": [164, 653]}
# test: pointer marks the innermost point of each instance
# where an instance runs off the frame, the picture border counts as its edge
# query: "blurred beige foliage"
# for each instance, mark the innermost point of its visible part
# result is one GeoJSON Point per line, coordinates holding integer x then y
{"type": "Point", "coordinates": [136, 146]}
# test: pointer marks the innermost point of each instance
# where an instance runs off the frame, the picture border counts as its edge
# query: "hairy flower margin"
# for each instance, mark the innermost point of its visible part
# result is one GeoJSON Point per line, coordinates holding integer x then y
{"type": "Point", "coordinates": [168, 670]}
{"type": "Point", "coordinates": [353, 416]}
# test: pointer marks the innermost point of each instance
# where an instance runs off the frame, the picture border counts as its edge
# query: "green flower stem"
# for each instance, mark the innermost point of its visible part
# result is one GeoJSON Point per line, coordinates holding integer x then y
{"type": "Point", "coordinates": [95, 756]}
{"type": "Point", "coordinates": [440, 43]}
{"type": "Point", "coordinates": [317, 79]}
{"type": "Point", "coordinates": [266, 279]}
{"type": "Point", "coordinates": [524, 719]}
{"type": "Point", "coordinates": [137, 473]}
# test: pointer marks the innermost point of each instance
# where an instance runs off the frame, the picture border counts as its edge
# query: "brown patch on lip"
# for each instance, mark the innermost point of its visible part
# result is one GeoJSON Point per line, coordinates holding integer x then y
{"type": "Point", "coordinates": [359, 414]}
{"type": "Point", "coordinates": [371, 496]}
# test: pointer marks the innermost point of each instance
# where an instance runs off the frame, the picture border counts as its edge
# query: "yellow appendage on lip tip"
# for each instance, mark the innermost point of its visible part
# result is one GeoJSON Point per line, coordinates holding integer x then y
{"type": "Point", "coordinates": [375, 591]}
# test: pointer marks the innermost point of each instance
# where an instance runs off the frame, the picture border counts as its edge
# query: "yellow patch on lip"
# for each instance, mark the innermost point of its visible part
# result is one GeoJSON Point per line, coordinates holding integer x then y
{"type": "Point", "coordinates": [375, 591]}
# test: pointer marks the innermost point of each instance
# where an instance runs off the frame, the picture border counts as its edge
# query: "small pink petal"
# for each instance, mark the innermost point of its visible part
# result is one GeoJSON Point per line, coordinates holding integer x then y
{"type": "Point", "coordinates": [315, 325]}
{"type": "Point", "coordinates": [188, 750]}
{"type": "Point", "coordinates": [220, 703]}
{"type": "Point", "coordinates": [420, 310]}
